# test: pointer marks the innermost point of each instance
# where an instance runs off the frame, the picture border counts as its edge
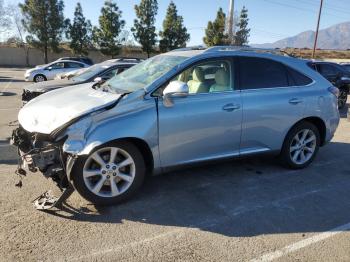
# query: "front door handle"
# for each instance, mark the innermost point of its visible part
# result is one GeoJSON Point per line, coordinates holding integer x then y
{"type": "Point", "coordinates": [230, 107]}
{"type": "Point", "coordinates": [295, 101]}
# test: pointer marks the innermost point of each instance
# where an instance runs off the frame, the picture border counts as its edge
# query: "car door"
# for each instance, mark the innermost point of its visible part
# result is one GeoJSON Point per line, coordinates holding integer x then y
{"type": "Point", "coordinates": [54, 69]}
{"type": "Point", "coordinates": [271, 104]}
{"type": "Point", "coordinates": [207, 123]}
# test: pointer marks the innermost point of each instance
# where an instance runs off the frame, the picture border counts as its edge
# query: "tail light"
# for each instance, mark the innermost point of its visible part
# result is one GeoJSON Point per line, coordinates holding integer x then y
{"type": "Point", "coordinates": [334, 91]}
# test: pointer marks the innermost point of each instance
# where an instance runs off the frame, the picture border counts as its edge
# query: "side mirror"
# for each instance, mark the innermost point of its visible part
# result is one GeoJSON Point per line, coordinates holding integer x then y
{"type": "Point", "coordinates": [98, 80]}
{"type": "Point", "coordinates": [174, 89]}
{"type": "Point", "coordinates": [49, 68]}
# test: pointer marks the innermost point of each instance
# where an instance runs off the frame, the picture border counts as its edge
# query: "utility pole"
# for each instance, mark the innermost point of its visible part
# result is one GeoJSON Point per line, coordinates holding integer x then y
{"type": "Point", "coordinates": [231, 22]}
{"type": "Point", "coordinates": [318, 26]}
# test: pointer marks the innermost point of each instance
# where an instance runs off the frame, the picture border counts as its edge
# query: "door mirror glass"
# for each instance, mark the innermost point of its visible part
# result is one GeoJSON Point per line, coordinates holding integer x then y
{"type": "Point", "coordinates": [174, 89]}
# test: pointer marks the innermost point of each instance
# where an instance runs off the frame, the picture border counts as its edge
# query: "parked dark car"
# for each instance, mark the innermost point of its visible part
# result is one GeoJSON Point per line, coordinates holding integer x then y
{"type": "Point", "coordinates": [98, 73]}
{"type": "Point", "coordinates": [82, 59]}
{"type": "Point", "coordinates": [346, 66]}
{"type": "Point", "coordinates": [337, 75]}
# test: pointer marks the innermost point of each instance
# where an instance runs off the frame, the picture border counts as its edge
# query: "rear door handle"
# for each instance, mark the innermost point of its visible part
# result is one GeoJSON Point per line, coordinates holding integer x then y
{"type": "Point", "coordinates": [295, 101]}
{"type": "Point", "coordinates": [230, 107]}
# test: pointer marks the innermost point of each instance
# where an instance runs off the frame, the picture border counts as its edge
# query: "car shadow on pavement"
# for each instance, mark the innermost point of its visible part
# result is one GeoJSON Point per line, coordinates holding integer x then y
{"type": "Point", "coordinates": [8, 80]}
{"type": "Point", "coordinates": [246, 197]}
{"type": "Point", "coordinates": [7, 94]}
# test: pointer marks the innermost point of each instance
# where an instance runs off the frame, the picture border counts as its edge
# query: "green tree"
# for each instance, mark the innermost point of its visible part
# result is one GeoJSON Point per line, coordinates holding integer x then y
{"type": "Point", "coordinates": [44, 21]}
{"type": "Point", "coordinates": [215, 31]}
{"type": "Point", "coordinates": [18, 29]}
{"type": "Point", "coordinates": [5, 21]}
{"type": "Point", "coordinates": [79, 32]}
{"type": "Point", "coordinates": [174, 34]}
{"type": "Point", "coordinates": [106, 37]}
{"type": "Point", "coordinates": [144, 30]}
{"type": "Point", "coordinates": [242, 35]}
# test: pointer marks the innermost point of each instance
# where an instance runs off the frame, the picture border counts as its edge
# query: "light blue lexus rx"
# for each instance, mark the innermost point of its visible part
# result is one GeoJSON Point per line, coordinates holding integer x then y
{"type": "Point", "coordinates": [179, 108]}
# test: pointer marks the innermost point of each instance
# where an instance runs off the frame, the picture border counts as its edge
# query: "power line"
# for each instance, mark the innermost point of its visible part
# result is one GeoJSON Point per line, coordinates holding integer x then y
{"type": "Point", "coordinates": [302, 8]}
{"type": "Point", "coordinates": [324, 7]}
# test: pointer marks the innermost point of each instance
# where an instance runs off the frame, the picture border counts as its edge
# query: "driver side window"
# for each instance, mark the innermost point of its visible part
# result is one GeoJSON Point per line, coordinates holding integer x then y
{"type": "Point", "coordinates": [58, 65]}
{"type": "Point", "coordinates": [207, 77]}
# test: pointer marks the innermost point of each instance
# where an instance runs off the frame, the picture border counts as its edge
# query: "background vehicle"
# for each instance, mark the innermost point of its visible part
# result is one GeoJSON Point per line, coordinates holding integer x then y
{"type": "Point", "coordinates": [176, 109]}
{"type": "Point", "coordinates": [70, 74]}
{"type": "Point", "coordinates": [346, 66]}
{"type": "Point", "coordinates": [47, 72]}
{"type": "Point", "coordinates": [97, 73]}
{"type": "Point", "coordinates": [337, 75]}
{"type": "Point", "coordinates": [82, 59]}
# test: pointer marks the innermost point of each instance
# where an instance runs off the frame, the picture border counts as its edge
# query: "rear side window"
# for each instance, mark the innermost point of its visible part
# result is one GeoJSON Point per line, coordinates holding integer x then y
{"type": "Point", "coordinates": [73, 65]}
{"type": "Point", "coordinates": [256, 73]}
{"type": "Point", "coordinates": [297, 79]}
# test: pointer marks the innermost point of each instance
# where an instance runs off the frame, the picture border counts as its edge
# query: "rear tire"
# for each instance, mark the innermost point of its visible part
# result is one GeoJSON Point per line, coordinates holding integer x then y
{"type": "Point", "coordinates": [110, 174]}
{"type": "Point", "coordinates": [300, 145]}
{"type": "Point", "coordinates": [39, 78]}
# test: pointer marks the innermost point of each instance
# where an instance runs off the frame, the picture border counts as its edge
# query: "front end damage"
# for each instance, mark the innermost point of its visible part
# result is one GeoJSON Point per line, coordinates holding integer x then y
{"type": "Point", "coordinates": [40, 152]}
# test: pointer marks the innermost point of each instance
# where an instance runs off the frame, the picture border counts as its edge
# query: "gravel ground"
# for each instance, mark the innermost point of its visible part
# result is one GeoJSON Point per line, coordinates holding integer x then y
{"type": "Point", "coordinates": [232, 211]}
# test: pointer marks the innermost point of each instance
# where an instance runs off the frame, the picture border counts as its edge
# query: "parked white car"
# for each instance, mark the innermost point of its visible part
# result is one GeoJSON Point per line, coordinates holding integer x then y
{"type": "Point", "coordinates": [68, 75]}
{"type": "Point", "coordinates": [49, 71]}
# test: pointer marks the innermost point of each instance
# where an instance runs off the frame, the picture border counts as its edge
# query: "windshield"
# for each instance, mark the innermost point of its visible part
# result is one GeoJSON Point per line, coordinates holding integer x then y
{"type": "Point", "coordinates": [143, 74]}
{"type": "Point", "coordinates": [90, 72]}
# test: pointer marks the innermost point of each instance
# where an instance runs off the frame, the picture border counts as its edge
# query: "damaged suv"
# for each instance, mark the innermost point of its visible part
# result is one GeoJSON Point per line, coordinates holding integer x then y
{"type": "Point", "coordinates": [182, 107]}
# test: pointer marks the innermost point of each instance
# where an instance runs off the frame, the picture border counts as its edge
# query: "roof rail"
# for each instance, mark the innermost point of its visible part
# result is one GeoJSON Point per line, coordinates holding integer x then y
{"type": "Point", "coordinates": [123, 58]}
{"type": "Point", "coordinates": [190, 48]}
{"type": "Point", "coordinates": [276, 51]}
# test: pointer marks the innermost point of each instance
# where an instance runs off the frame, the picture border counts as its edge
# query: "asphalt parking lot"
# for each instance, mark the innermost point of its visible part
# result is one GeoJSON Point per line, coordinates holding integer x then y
{"type": "Point", "coordinates": [245, 210]}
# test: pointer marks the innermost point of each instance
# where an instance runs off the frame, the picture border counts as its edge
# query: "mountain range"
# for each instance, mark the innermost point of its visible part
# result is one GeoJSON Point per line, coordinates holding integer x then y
{"type": "Point", "coordinates": [334, 37]}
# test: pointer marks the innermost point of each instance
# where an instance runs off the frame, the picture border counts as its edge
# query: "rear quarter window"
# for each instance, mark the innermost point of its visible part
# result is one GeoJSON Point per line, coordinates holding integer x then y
{"type": "Point", "coordinates": [297, 79]}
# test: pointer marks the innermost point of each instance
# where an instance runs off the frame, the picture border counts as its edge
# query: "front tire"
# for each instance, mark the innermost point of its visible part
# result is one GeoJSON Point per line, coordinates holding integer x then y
{"type": "Point", "coordinates": [110, 174]}
{"type": "Point", "coordinates": [300, 146]}
{"type": "Point", "coordinates": [39, 78]}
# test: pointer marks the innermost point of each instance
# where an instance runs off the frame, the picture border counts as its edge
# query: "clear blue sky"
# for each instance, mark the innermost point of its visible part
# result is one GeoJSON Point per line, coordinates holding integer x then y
{"type": "Point", "coordinates": [270, 20]}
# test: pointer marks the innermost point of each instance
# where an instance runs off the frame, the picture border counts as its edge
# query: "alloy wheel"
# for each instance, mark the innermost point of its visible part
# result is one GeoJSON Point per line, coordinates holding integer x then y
{"type": "Point", "coordinates": [39, 78]}
{"type": "Point", "coordinates": [109, 172]}
{"type": "Point", "coordinates": [303, 146]}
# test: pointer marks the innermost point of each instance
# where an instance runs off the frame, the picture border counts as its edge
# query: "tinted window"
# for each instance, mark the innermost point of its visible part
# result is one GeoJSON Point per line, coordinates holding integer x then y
{"type": "Point", "coordinates": [73, 65]}
{"type": "Point", "coordinates": [297, 79]}
{"type": "Point", "coordinates": [258, 73]}
{"type": "Point", "coordinates": [58, 65]}
{"type": "Point", "coordinates": [326, 69]}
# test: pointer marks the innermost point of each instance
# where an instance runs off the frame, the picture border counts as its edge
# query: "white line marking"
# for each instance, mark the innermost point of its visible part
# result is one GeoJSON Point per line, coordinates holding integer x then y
{"type": "Point", "coordinates": [7, 86]}
{"type": "Point", "coordinates": [301, 244]}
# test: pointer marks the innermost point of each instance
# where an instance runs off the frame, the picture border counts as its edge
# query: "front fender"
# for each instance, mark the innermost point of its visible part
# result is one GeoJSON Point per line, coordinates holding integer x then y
{"type": "Point", "coordinates": [132, 119]}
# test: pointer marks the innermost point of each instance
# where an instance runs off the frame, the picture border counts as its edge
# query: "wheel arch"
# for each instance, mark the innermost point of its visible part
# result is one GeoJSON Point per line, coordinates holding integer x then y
{"type": "Point", "coordinates": [318, 122]}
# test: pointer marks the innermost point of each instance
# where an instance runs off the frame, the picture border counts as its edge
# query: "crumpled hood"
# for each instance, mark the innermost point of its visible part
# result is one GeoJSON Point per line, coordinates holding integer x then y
{"type": "Point", "coordinates": [49, 85]}
{"type": "Point", "coordinates": [51, 110]}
